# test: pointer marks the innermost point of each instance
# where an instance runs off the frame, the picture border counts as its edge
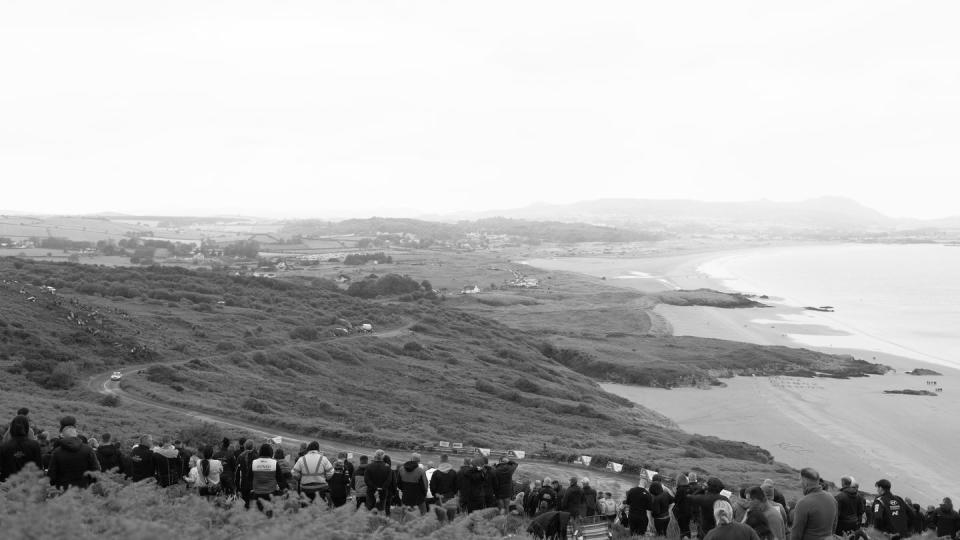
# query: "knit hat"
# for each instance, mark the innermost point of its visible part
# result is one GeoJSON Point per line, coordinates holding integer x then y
{"type": "Point", "coordinates": [682, 480]}
{"type": "Point", "coordinates": [67, 421]}
{"type": "Point", "coordinates": [378, 455]}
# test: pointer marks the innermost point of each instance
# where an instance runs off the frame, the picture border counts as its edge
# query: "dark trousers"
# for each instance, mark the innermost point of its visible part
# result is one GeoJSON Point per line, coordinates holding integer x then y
{"type": "Point", "coordinates": [660, 524]}
{"type": "Point", "coordinates": [638, 523]}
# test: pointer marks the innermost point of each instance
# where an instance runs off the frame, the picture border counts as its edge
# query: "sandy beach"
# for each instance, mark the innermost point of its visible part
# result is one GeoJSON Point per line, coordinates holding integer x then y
{"type": "Point", "coordinates": [837, 426]}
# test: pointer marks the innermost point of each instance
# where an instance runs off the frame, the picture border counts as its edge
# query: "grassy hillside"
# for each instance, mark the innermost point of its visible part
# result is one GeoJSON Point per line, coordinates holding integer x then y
{"type": "Point", "coordinates": [267, 354]}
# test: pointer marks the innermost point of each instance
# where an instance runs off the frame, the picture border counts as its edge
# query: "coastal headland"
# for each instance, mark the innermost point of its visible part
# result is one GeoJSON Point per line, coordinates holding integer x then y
{"type": "Point", "coordinates": [838, 426]}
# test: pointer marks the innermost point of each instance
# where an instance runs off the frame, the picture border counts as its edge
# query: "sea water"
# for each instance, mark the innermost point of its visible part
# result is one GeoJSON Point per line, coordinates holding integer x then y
{"type": "Point", "coordinates": [899, 299]}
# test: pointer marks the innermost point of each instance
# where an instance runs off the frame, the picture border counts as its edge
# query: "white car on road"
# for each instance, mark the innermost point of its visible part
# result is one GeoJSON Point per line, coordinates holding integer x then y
{"type": "Point", "coordinates": [116, 376]}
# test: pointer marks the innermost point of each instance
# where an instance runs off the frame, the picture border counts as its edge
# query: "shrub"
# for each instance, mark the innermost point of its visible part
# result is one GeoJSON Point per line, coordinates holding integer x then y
{"type": "Point", "coordinates": [305, 333]}
{"type": "Point", "coordinates": [412, 346]}
{"type": "Point", "coordinates": [255, 405]}
{"type": "Point", "coordinates": [111, 400]}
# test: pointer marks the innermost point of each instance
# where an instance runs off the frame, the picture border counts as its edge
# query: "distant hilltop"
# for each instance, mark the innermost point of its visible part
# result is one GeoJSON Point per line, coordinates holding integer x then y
{"type": "Point", "coordinates": [823, 213]}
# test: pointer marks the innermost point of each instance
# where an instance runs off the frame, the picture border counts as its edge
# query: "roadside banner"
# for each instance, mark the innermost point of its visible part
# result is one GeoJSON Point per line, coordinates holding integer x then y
{"type": "Point", "coordinates": [650, 474]}
{"type": "Point", "coordinates": [483, 451]}
{"type": "Point", "coordinates": [517, 454]}
{"type": "Point", "coordinates": [457, 445]}
{"type": "Point", "coordinates": [277, 440]}
{"type": "Point", "coordinates": [584, 460]}
{"type": "Point", "coordinates": [444, 444]}
{"type": "Point", "coordinates": [615, 467]}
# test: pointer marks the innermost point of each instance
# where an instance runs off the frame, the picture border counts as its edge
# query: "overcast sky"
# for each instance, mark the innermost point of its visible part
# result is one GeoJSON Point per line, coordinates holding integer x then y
{"type": "Point", "coordinates": [330, 108]}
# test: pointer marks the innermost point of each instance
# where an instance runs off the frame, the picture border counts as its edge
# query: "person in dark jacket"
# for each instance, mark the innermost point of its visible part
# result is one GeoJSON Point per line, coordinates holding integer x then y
{"type": "Point", "coordinates": [339, 484]}
{"type": "Point", "coordinates": [683, 506]}
{"type": "Point", "coordinates": [590, 502]}
{"type": "Point", "coordinates": [704, 501]}
{"type": "Point", "coordinates": [71, 461]}
{"type": "Point", "coordinates": [443, 484]}
{"type": "Point", "coordinates": [109, 455]}
{"type": "Point", "coordinates": [412, 481]}
{"type": "Point", "coordinates": [18, 449]}
{"type": "Point", "coordinates": [572, 501]}
{"type": "Point", "coordinates": [503, 474]}
{"type": "Point", "coordinates": [243, 476]}
{"type": "Point", "coordinates": [546, 499]}
{"type": "Point", "coordinates": [348, 469]}
{"type": "Point", "coordinates": [945, 519]}
{"type": "Point", "coordinates": [224, 454]}
{"type": "Point", "coordinates": [142, 464]}
{"type": "Point", "coordinates": [377, 477]}
{"type": "Point", "coordinates": [490, 486]}
{"type": "Point", "coordinates": [472, 486]}
{"type": "Point", "coordinates": [168, 463]}
{"type": "Point", "coordinates": [639, 501]}
{"type": "Point", "coordinates": [890, 513]}
{"type": "Point", "coordinates": [660, 508]}
{"type": "Point", "coordinates": [851, 507]}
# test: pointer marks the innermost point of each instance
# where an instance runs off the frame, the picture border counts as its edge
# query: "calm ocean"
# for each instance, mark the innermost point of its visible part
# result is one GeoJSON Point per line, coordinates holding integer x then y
{"type": "Point", "coordinates": [899, 299]}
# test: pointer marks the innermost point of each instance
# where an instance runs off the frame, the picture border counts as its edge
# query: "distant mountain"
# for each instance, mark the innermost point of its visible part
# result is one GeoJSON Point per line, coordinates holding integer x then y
{"type": "Point", "coordinates": [819, 213]}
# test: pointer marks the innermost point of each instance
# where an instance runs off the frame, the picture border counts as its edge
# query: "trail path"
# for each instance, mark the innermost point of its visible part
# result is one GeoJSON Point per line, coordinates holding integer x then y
{"type": "Point", "coordinates": [534, 468]}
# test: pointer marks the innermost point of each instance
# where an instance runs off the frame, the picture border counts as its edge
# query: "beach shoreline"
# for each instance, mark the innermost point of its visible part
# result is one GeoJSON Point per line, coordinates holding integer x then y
{"type": "Point", "coordinates": [837, 426]}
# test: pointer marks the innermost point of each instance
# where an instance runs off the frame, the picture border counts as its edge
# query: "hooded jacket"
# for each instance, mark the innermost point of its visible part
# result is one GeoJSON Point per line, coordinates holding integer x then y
{"type": "Point", "coordinates": [946, 520]}
{"type": "Point", "coordinates": [70, 462]}
{"type": "Point", "coordinates": [503, 473]}
{"type": "Point", "coordinates": [142, 463]}
{"type": "Point", "coordinates": [443, 483]}
{"type": "Point", "coordinates": [15, 453]}
{"type": "Point", "coordinates": [109, 457]}
{"type": "Point", "coordinates": [850, 507]}
{"type": "Point", "coordinates": [413, 483]}
{"type": "Point", "coordinates": [472, 482]}
{"type": "Point", "coordinates": [169, 466]}
{"type": "Point", "coordinates": [573, 501]}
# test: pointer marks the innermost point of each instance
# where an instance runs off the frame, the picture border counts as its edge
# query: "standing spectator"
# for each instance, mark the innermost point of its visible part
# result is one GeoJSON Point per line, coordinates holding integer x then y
{"type": "Point", "coordinates": [572, 501]}
{"type": "Point", "coordinates": [339, 483]}
{"type": "Point", "coordinates": [312, 472]}
{"type": "Point", "coordinates": [590, 499]}
{"type": "Point", "coordinates": [851, 506]}
{"type": "Point", "coordinates": [71, 461]}
{"type": "Point", "coordinates": [266, 477]}
{"type": "Point", "coordinates": [945, 519]}
{"type": "Point", "coordinates": [472, 482]}
{"type": "Point", "coordinates": [109, 455]}
{"type": "Point", "coordinates": [609, 507]}
{"type": "Point", "coordinates": [360, 483]}
{"type": "Point", "coordinates": [24, 412]}
{"type": "Point", "coordinates": [376, 477]}
{"type": "Point", "coordinates": [412, 481]}
{"type": "Point", "coordinates": [660, 508]}
{"type": "Point", "coordinates": [890, 513]}
{"type": "Point", "coordinates": [683, 506]}
{"type": "Point", "coordinates": [763, 518]}
{"type": "Point", "coordinates": [639, 501]}
{"type": "Point", "coordinates": [503, 473]}
{"type": "Point", "coordinates": [704, 500]}
{"type": "Point", "coordinates": [18, 449]}
{"type": "Point", "coordinates": [224, 454]}
{"type": "Point", "coordinates": [815, 516]}
{"type": "Point", "coordinates": [443, 483]}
